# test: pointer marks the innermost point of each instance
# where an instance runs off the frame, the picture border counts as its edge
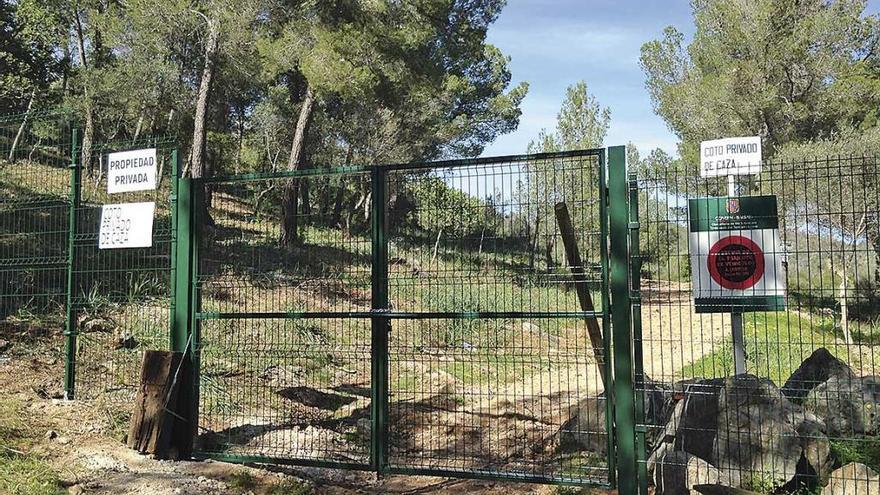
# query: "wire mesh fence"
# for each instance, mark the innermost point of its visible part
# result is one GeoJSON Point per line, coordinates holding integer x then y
{"type": "Point", "coordinates": [285, 339]}
{"type": "Point", "coordinates": [806, 404]}
{"type": "Point", "coordinates": [491, 369]}
{"type": "Point", "coordinates": [120, 298]}
{"type": "Point", "coordinates": [487, 368]}
{"type": "Point", "coordinates": [34, 199]}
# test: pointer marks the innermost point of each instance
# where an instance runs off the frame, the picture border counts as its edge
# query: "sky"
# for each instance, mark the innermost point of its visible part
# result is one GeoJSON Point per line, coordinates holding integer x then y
{"type": "Point", "coordinates": [555, 43]}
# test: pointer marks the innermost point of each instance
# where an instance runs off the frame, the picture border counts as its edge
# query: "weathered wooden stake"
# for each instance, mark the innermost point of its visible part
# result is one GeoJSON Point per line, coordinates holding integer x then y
{"type": "Point", "coordinates": [572, 254]}
{"type": "Point", "coordinates": [152, 426]}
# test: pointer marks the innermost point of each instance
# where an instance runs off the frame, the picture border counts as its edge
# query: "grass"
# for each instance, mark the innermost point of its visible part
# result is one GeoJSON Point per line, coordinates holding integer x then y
{"type": "Point", "coordinates": [776, 344]}
{"type": "Point", "coordinates": [21, 472]}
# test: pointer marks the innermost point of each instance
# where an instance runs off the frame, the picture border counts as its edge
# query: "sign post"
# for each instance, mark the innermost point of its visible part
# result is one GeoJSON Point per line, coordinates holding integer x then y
{"type": "Point", "coordinates": [735, 256]}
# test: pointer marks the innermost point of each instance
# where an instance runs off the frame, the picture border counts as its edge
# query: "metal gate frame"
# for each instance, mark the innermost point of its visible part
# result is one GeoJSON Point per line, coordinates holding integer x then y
{"type": "Point", "coordinates": [618, 296]}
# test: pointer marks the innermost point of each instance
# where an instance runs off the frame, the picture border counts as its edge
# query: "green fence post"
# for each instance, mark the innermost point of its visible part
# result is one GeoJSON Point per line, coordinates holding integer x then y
{"type": "Point", "coordinates": [70, 326]}
{"type": "Point", "coordinates": [606, 320]}
{"type": "Point", "coordinates": [182, 332]}
{"type": "Point", "coordinates": [621, 311]}
{"type": "Point", "coordinates": [636, 304]}
{"type": "Point", "coordinates": [380, 325]}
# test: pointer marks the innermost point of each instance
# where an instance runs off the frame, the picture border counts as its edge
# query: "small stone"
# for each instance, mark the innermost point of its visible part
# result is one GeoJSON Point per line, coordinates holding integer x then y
{"type": "Point", "coordinates": [125, 341]}
{"type": "Point", "coordinates": [852, 479]}
{"type": "Point", "coordinates": [63, 440]}
{"type": "Point", "coordinates": [51, 435]}
{"type": "Point", "coordinates": [5, 345]}
{"type": "Point", "coordinates": [76, 490]}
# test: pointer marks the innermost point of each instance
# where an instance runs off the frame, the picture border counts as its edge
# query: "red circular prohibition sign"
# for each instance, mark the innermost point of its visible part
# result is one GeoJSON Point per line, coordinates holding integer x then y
{"type": "Point", "coordinates": [736, 262]}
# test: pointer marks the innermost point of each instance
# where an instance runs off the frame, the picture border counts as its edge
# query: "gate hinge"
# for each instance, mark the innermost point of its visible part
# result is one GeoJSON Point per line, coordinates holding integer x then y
{"type": "Point", "coordinates": [634, 225]}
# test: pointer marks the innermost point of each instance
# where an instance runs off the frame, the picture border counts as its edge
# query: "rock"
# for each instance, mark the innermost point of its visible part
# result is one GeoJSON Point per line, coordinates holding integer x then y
{"type": "Point", "coordinates": [125, 341]}
{"type": "Point", "coordinates": [816, 461]}
{"type": "Point", "coordinates": [677, 473]}
{"type": "Point", "coordinates": [816, 369]}
{"type": "Point", "coordinates": [97, 325]}
{"type": "Point", "coordinates": [76, 490]}
{"type": "Point", "coordinates": [586, 430]}
{"type": "Point", "coordinates": [757, 442]}
{"type": "Point", "coordinates": [364, 427]}
{"type": "Point", "coordinates": [63, 440]}
{"type": "Point", "coordinates": [853, 479]}
{"type": "Point", "coordinates": [750, 432]}
{"type": "Point", "coordinates": [5, 345]}
{"type": "Point", "coordinates": [698, 425]}
{"type": "Point", "coordinates": [847, 404]}
{"type": "Point", "coordinates": [51, 435]}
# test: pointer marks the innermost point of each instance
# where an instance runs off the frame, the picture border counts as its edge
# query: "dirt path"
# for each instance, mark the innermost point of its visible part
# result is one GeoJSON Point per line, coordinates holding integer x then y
{"type": "Point", "coordinates": [516, 426]}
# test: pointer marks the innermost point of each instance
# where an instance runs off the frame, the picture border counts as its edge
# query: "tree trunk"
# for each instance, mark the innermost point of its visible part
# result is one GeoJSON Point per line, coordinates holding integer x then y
{"type": "Point", "coordinates": [89, 125]}
{"type": "Point", "coordinates": [533, 249]}
{"type": "Point", "coordinates": [140, 124]}
{"type": "Point", "coordinates": [196, 164]}
{"type": "Point", "coordinates": [548, 253]}
{"type": "Point", "coordinates": [23, 125]}
{"type": "Point", "coordinates": [289, 225]}
{"type": "Point", "coordinates": [436, 245]}
{"type": "Point", "coordinates": [844, 307]}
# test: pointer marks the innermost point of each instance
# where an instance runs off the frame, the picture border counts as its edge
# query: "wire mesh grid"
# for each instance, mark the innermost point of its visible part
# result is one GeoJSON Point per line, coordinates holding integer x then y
{"type": "Point", "coordinates": [807, 405]}
{"type": "Point", "coordinates": [491, 368]}
{"type": "Point", "coordinates": [34, 193]}
{"type": "Point", "coordinates": [285, 362]}
{"type": "Point", "coordinates": [121, 297]}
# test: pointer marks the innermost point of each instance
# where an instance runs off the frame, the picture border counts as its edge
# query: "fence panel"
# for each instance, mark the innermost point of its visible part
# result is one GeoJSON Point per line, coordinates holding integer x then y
{"type": "Point", "coordinates": [285, 338]}
{"type": "Point", "coordinates": [34, 194]}
{"type": "Point", "coordinates": [491, 369]}
{"type": "Point", "coordinates": [121, 298]}
{"type": "Point", "coordinates": [808, 403]}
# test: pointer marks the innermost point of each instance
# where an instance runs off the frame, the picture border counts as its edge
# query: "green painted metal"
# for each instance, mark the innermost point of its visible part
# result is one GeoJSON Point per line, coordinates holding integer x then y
{"type": "Point", "coordinates": [638, 360]}
{"type": "Point", "coordinates": [182, 331]}
{"type": "Point", "coordinates": [606, 315]}
{"type": "Point", "coordinates": [382, 315]}
{"type": "Point", "coordinates": [70, 329]}
{"type": "Point", "coordinates": [380, 325]}
{"type": "Point", "coordinates": [495, 476]}
{"type": "Point", "coordinates": [621, 311]}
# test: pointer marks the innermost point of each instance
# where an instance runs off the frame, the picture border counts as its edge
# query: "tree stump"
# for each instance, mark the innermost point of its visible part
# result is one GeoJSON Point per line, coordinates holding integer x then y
{"type": "Point", "coordinates": [152, 426]}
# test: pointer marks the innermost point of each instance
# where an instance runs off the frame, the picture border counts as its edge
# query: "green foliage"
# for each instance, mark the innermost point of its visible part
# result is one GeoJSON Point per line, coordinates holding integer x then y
{"type": "Point", "coordinates": [444, 208]}
{"type": "Point", "coordinates": [790, 71]}
{"type": "Point", "coordinates": [862, 450]}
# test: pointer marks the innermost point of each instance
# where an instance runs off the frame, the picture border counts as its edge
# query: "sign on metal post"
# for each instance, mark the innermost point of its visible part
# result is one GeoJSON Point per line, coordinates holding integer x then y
{"type": "Point", "coordinates": [730, 156]}
{"type": "Point", "coordinates": [736, 255]}
{"type": "Point", "coordinates": [129, 171]}
{"type": "Point", "coordinates": [128, 225]}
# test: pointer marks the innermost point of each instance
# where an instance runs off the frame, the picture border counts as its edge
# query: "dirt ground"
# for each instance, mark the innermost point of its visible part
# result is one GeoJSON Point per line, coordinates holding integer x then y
{"type": "Point", "coordinates": [83, 442]}
{"type": "Point", "coordinates": [84, 446]}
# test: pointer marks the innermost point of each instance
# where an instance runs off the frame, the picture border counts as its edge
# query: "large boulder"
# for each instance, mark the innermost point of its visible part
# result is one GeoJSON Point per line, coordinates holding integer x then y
{"type": "Point", "coordinates": [847, 404]}
{"type": "Point", "coordinates": [815, 370]}
{"type": "Point", "coordinates": [757, 442]}
{"type": "Point", "coordinates": [853, 479]}
{"type": "Point", "coordinates": [678, 472]}
{"type": "Point", "coordinates": [750, 432]}
{"type": "Point", "coordinates": [587, 428]}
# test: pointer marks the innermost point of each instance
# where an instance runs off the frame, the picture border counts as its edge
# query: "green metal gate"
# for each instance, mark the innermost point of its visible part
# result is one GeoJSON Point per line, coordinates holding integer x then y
{"type": "Point", "coordinates": [423, 319]}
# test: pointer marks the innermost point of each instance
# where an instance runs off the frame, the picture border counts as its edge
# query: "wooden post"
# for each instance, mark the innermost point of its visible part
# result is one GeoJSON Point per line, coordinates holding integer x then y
{"type": "Point", "coordinates": [151, 425]}
{"type": "Point", "coordinates": [572, 254]}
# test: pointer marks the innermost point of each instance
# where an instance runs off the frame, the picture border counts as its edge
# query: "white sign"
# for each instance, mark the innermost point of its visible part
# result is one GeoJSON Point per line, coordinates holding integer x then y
{"type": "Point", "coordinates": [129, 171]}
{"type": "Point", "coordinates": [127, 225]}
{"type": "Point", "coordinates": [737, 264]}
{"type": "Point", "coordinates": [731, 156]}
